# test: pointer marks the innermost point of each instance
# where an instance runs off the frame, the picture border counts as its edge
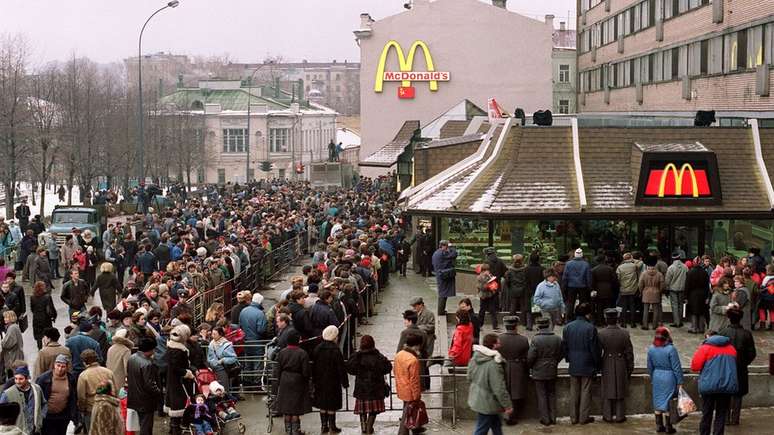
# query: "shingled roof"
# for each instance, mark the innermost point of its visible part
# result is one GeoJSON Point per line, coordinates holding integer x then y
{"type": "Point", "coordinates": [388, 154]}
{"type": "Point", "coordinates": [534, 173]}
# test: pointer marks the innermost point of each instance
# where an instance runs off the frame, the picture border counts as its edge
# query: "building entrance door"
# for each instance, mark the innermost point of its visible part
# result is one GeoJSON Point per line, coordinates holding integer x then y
{"type": "Point", "coordinates": [666, 238]}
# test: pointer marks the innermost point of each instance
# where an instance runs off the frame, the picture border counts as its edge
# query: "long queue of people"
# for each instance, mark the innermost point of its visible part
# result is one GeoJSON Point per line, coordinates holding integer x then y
{"type": "Point", "coordinates": [139, 350]}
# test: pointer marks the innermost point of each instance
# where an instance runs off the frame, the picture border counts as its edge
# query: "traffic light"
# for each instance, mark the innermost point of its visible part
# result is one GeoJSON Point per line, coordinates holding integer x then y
{"type": "Point", "coordinates": [266, 166]}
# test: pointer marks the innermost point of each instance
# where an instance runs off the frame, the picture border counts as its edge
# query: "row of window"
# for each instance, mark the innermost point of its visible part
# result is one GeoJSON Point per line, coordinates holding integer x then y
{"type": "Point", "coordinates": [736, 51]}
{"type": "Point", "coordinates": [234, 140]}
{"type": "Point", "coordinates": [588, 4]}
{"type": "Point", "coordinates": [639, 17]}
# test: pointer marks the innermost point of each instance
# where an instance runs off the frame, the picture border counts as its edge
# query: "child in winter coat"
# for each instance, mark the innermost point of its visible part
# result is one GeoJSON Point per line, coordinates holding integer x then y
{"type": "Point", "coordinates": [198, 415]}
{"type": "Point", "coordinates": [222, 402]}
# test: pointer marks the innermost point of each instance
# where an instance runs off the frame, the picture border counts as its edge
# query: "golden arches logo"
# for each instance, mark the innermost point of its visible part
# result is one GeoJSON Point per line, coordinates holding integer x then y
{"type": "Point", "coordinates": [678, 179]}
{"type": "Point", "coordinates": [405, 64]}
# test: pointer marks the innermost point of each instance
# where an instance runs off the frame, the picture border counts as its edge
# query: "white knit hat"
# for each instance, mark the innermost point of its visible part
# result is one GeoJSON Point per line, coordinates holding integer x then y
{"type": "Point", "coordinates": [257, 298]}
{"type": "Point", "coordinates": [330, 333]}
{"type": "Point", "coordinates": [215, 386]}
{"type": "Point", "coordinates": [180, 333]}
{"type": "Point", "coordinates": [578, 253]}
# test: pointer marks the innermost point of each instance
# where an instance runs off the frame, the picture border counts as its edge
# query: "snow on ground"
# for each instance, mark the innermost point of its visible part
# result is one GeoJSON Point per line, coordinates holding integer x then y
{"type": "Point", "coordinates": [52, 199]}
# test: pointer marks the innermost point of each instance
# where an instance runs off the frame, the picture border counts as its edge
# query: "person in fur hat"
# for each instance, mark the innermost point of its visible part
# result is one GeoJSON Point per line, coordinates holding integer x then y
{"type": "Point", "coordinates": [178, 376]}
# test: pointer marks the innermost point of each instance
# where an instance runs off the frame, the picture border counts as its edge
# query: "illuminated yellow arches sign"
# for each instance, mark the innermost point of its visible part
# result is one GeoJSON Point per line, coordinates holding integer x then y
{"type": "Point", "coordinates": [405, 65]}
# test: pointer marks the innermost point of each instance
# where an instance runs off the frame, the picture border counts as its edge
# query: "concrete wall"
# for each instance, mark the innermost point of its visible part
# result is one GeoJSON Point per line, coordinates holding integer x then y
{"type": "Point", "coordinates": [639, 400]}
{"type": "Point", "coordinates": [489, 52]}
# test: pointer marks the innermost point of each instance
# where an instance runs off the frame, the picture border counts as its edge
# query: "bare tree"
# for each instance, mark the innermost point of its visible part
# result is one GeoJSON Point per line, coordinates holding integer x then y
{"type": "Point", "coordinates": [45, 118]}
{"type": "Point", "coordinates": [13, 113]}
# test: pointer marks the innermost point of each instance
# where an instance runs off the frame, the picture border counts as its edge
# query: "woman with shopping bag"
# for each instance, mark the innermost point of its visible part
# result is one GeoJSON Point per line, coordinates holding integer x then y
{"type": "Point", "coordinates": [666, 374]}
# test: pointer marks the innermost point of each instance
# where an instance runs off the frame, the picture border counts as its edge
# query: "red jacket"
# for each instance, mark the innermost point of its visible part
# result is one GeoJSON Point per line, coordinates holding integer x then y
{"type": "Point", "coordinates": [462, 345]}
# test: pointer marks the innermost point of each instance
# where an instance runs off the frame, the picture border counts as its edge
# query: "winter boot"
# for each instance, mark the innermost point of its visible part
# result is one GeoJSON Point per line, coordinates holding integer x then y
{"type": "Point", "coordinates": [363, 423]}
{"type": "Point", "coordinates": [324, 428]}
{"type": "Point", "coordinates": [332, 423]}
{"type": "Point", "coordinates": [288, 427]}
{"type": "Point", "coordinates": [669, 427]}
{"type": "Point", "coordinates": [295, 428]}
{"type": "Point", "coordinates": [370, 423]}
{"type": "Point", "coordinates": [660, 423]}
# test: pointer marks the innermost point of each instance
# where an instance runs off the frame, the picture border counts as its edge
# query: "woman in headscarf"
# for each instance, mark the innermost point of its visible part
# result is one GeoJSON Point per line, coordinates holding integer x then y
{"type": "Point", "coordinates": [666, 375]}
{"type": "Point", "coordinates": [369, 367]}
{"type": "Point", "coordinates": [179, 377]}
{"type": "Point", "coordinates": [330, 376]}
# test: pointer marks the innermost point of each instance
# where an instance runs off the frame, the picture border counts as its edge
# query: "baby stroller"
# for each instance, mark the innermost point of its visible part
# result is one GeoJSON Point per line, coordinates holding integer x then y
{"type": "Point", "coordinates": [231, 426]}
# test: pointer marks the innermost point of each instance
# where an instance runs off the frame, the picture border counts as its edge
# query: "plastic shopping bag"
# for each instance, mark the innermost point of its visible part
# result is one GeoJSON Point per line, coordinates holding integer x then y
{"type": "Point", "coordinates": [685, 405]}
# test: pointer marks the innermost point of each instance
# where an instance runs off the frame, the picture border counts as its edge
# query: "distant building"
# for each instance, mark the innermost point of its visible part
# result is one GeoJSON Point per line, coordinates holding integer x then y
{"type": "Point", "coordinates": [420, 62]}
{"type": "Point", "coordinates": [675, 55]}
{"type": "Point", "coordinates": [565, 68]}
{"type": "Point", "coordinates": [282, 131]}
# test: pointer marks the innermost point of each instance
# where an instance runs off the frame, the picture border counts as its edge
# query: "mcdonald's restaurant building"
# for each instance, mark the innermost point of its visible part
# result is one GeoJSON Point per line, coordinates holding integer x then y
{"type": "Point", "coordinates": [605, 189]}
{"type": "Point", "coordinates": [428, 59]}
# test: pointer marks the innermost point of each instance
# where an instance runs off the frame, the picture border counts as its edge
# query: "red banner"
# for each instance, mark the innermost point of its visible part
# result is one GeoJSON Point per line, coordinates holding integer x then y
{"type": "Point", "coordinates": [406, 93]}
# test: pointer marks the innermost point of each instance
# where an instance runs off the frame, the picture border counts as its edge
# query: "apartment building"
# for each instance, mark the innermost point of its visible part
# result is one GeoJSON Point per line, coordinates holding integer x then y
{"type": "Point", "coordinates": [675, 55]}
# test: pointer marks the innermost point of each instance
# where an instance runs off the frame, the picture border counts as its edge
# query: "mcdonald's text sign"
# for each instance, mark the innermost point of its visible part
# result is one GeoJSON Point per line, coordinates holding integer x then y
{"type": "Point", "coordinates": [672, 178]}
{"type": "Point", "coordinates": [406, 75]}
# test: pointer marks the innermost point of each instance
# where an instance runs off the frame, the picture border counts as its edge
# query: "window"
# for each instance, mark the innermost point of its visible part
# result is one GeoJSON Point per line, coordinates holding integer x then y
{"type": "Point", "coordinates": [564, 106]}
{"type": "Point", "coordinates": [715, 62]}
{"type": "Point", "coordinates": [221, 176]}
{"type": "Point", "coordinates": [278, 140]}
{"type": "Point", "coordinates": [768, 44]}
{"type": "Point", "coordinates": [234, 140]}
{"type": "Point", "coordinates": [754, 46]}
{"type": "Point", "coordinates": [338, 76]}
{"type": "Point", "coordinates": [564, 73]}
{"type": "Point", "coordinates": [731, 47]}
{"type": "Point", "coordinates": [675, 63]}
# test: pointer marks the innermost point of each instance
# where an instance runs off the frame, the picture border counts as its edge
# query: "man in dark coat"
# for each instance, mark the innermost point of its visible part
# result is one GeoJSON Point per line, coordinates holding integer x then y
{"type": "Point", "coordinates": [603, 284]}
{"type": "Point", "coordinates": [534, 273]}
{"type": "Point", "coordinates": [425, 247]}
{"type": "Point", "coordinates": [514, 348]}
{"type": "Point", "coordinates": [23, 215]}
{"type": "Point", "coordinates": [322, 315]}
{"type": "Point", "coordinates": [582, 351]}
{"type": "Point", "coordinates": [143, 392]}
{"type": "Point", "coordinates": [543, 358]}
{"type": "Point", "coordinates": [576, 282]}
{"type": "Point", "coordinates": [743, 342]}
{"type": "Point", "coordinates": [443, 265]}
{"type": "Point", "coordinates": [292, 372]}
{"type": "Point", "coordinates": [697, 292]}
{"type": "Point", "coordinates": [410, 319]}
{"type": "Point", "coordinates": [60, 412]}
{"type": "Point", "coordinates": [617, 366]}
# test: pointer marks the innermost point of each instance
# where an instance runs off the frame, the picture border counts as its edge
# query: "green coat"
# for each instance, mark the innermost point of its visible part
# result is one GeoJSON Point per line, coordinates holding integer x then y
{"type": "Point", "coordinates": [487, 393]}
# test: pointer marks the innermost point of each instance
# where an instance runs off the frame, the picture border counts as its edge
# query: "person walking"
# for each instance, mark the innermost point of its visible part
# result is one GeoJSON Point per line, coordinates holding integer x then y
{"type": "Point", "coordinates": [143, 393]}
{"type": "Point", "coordinates": [697, 291]}
{"type": "Point", "coordinates": [651, 285]}
{"type": "Point", "coordinates": [329, 376]}
{"type": "Point", "coordinates": [576, 282]}
{"type": "Point", "coordinates": [369, 367]}
{"type": "Point", "coordinates": [628, 280]}
{"type": "Point", "coordinates": [513, 349]}
{"type": "Point", "coordinates": [617, 367]}
{"type": "Point", "coordinates": [715, 361]}
{"type": "Point", "coordinates": [50, 351]}
{"type": "Point", "coordinates": [443, 260]}
{"type": "Point", "coordinates": [545, 352]}
{"type": "Point", "coordinates": [407, 371]}
{"type": "Point", "coordinates": [79, 342]}
{"type": "Point", "coordinates": [29, 397]}
{"type": "Point", "coordinates": [488, 394]}
{"type": "Point", "coordinates": [106, 415]}
{"type": "Point", "coordinates": [583, 353]}
{"type": "Point", "coordinates": [88, 381]}
{"type": "Point", "coordinates": [292, 373]}
{"type": "Point", "coordinates": [12, 343]}
{"type": "Point", "coordinates": [108, 286]}
{"type": "Point", "coordinates": [60, 393]}
{"type": "Point", "coordinates": [75, 292]}
{"type": "Point", "coordinates": [534, 274]}
{"type": "Point", "coordinates": [118, 357]}
{"type": "Point", "coordinates": [742, 340]}
{"type": "Point", "coordinates": [674, 282]}
{"type": "Point", "coordinates": [43, 312]}
{"type": "Point", "coordinates": [666, 377]}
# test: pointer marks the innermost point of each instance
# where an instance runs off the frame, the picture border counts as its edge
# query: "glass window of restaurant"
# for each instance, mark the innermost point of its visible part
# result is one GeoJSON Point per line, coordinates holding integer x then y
{"type": "Point", "coordinates": [470, 236]}
{"type": "Point", "coordinates": [736, 236]}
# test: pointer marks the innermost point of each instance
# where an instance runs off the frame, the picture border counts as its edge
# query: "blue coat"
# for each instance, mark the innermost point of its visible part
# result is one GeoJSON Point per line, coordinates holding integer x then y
{"type": "Point", "coordinates": [445, 260]}
{"type": "Point", "coordinates": [79, 343]}
{"type": "Point", "coordinates": [252, 321]}
{"type": "Point", "coordinates": [548, 296]}
{"type": "Point", "coordinates": [581, 347]}
{"type": "Point", "coordinates": [577, 273]}
{"type": "Point", "coordinates": [147, 262]}
{"type": "Point", "coordinates": [71, 410]}
{"type": "Point", "coordinates": [666, 373]}
{"type": "Point", "coordinates": [716, 361]}
{"type": "Point", "coordinates": [223, 350]}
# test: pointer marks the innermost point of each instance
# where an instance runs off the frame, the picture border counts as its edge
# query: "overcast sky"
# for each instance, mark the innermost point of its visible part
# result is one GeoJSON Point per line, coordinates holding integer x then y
{"type": "Point", "coordinates": [246, 30]}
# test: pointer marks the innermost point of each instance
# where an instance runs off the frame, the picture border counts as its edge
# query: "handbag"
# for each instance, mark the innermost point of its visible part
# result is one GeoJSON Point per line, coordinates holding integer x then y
{"type": "Point", "coordinates": [415, 415]}
{"type": "Point", "coordinates": [232, 370]}
{"type": "Point", "coordinates": [23, 322]}
{"type": "Point", "coordinates": [387, 390]}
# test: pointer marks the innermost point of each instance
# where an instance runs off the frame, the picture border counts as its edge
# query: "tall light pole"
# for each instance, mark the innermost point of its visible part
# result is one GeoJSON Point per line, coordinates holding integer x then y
{"type": "Point", "coordinates": [249, 103]}
{"type": "Point", "coordinates": [140, 113]}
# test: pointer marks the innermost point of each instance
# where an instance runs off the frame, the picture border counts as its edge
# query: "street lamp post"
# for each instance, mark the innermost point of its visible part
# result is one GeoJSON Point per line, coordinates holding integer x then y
{"type": "Point", "coordinates": [140, 114]}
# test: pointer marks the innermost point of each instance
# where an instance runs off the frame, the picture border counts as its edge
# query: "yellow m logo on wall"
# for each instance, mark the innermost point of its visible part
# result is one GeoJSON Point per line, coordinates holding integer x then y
{"type": "Point", "coordinates": [678, 176]}
{"type": "Point", "coordinates": [406, 63]}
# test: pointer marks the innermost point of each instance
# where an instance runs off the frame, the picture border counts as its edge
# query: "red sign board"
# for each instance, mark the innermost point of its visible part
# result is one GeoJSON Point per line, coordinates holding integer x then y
{"type": "Point", "coordinates": [406, 92]}
{"type": "Point", "coordinates": [672, 182]}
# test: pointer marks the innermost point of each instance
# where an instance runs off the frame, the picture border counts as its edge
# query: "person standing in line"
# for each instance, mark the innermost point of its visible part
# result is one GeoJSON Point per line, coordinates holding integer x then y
{"type": "Point", "coordinates": [617, 367]}
{"type": "Point", "coordinates": [59, 388]}
{"type": "Point", "coordinates": [143, 394]}
{"type": "Point", "coordinates": [576, 282]}
{"type": "Point", "coordinates": [545, 352]}
{"type": "Point", "coordinates": [515, 287]}
{"type": "Point", "coordinates": [488, 287]}
{"type": "Point", "coordinates": [534, 273]}
{"type": "Point", "coordinates": [603, 284]}
{"type": "Point", "coordinates": [674, 281]}
{"type": "Point", "coordinates": [425, 322]}
{"type": "Point", "coordinates": [743, 298]}
{"type": "Point", "coordinates": [651, 285]}
{"type": "Point", "coordinates": [329, 376]}
{"type": "Point", "coordinates": [408, 385]}
{"type": "Point", "coordinates": [715, 361]}
{"type": "Point", "coordinates": [514, 348]}
{"type": "Point", "coordinates": [582, 351]}
{"type": "Point", "coordinates": [697, 286]}
{"type": "Point", "coordinates": [666, 377]}
{"type": "Point", "coordinates": [443, 261]}
{"type": "Point", "coordinates": [292, 373]}
{"type": "Point", "coordinates": [548, 297]}
{"type": "Point", "coordinates": [488, 395]}
{"type": "Point", "coordinates": [743, 342]}
{"type": "Point", "coordinates": [369, 367]}
{"type": "Point", "coordinates": [721, 297]}
{"type": "Point", "coordinates": [628, 279]}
